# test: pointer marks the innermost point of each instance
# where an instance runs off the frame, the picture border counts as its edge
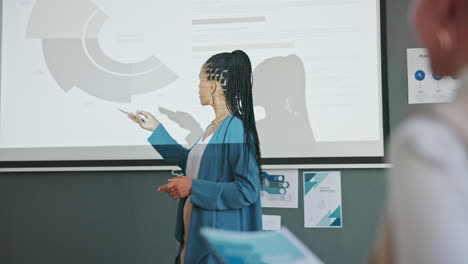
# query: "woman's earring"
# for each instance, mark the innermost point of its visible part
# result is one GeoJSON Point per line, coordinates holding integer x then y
{"type": "Point", "coordinates": [212, 96]}
{"type": "Point", "coordinates": [213, 89]}
{"type": "Point", "coordinates": [445, 41]}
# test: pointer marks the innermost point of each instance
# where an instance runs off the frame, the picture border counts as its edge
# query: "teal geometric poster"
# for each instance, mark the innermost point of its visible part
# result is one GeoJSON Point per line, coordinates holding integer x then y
{"type": "Point", "coordinates": [322, 199]}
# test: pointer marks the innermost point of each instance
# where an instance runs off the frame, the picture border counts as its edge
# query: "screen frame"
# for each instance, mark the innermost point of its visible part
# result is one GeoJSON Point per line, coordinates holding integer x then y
{"type": "Point", "coordinates": [299, 161]}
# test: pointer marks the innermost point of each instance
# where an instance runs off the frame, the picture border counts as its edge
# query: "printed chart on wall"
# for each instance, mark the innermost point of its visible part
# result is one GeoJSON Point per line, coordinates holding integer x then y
{"type": "Point", "coordinates": [424, 86]}
{"type": "Point", "coordinates": [280, 188]}
{"type": "Point", "coordinates": [322, 199]}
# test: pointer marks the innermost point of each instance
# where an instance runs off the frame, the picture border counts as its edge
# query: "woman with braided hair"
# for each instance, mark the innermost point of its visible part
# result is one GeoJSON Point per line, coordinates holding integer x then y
{"type": "Point", "coordinates": [221, 188]}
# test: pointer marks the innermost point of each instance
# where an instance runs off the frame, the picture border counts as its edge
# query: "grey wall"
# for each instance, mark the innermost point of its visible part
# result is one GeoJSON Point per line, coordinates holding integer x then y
{"type": "Point", "coordinates": [117, 217]}
{"type": "Point", "coordinates": [85, 218]}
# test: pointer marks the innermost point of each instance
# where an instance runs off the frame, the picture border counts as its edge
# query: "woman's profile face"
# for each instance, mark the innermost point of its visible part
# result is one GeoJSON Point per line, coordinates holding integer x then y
{"type": "Point", "coordinates": [204, 87]}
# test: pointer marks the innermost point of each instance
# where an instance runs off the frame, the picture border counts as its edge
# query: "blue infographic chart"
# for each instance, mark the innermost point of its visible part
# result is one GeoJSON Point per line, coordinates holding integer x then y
{"type": "Point", "coordinates": [423, 85]}
{"type": "Point", "coordinates": [279, 188]}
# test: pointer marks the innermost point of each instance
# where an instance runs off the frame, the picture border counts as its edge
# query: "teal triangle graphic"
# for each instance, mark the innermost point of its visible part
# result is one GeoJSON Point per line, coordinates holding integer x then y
{"type": "Point", "coordinates": [308, 186]}
{"type": "Point", "coordinates": [337, 222]}
{"type": "Point", "coordinates": [309, 176]}
{"type": "Point", "coordinates": [337, 212]}
{"type": "Point", "coordinates": [325, 221]}
{"type": "Point", "coordinates": [320, 177]}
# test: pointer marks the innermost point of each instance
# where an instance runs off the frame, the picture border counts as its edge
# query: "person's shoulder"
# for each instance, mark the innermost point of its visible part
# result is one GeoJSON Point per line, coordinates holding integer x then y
{"type": "Point", "coordinates": [427, 137]}
{"type": "Point", "coordinates": [428, 148]}
{"type": "Point", "coordinates": [235, 129]}
{"type": "Point", "coordinates": [235, 123]}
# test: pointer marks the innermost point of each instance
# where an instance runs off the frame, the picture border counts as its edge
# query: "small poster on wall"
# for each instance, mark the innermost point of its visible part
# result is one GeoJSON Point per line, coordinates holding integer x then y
{"type": "Point", "coordinates": [424, 86]}
{"type": "Point", "coordinates": [280, 188]}
{"type": "Point", "coordinates": [322, 199]}
{"type": "Point", "coordinates": [271, 222]}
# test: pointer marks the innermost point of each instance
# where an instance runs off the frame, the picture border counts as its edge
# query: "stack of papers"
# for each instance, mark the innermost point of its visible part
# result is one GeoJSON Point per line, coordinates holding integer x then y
{"type": "Point", "coordinates": [258, 247]}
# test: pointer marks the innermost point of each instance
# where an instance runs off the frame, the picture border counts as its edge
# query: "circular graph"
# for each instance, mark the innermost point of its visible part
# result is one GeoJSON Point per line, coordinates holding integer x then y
{"type": "Point", "coordinates": [74, 57]}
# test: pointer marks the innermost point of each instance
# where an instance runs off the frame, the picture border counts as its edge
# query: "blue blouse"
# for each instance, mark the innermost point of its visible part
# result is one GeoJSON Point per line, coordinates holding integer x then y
{"type": "Point", "coordinates": [226, 194]}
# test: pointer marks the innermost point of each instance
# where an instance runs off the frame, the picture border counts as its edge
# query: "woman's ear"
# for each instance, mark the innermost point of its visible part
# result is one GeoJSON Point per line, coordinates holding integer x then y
{"type": "Point", "coordinates": [214, 86]}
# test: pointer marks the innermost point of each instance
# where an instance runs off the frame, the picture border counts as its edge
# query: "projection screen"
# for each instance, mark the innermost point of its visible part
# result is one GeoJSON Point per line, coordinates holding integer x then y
{"type": "Point", "coordinates": [71, 68]}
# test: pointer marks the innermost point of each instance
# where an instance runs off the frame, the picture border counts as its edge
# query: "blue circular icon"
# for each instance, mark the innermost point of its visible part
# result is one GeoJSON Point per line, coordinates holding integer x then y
{"type": "Point", "coordinates": [420, 75]}
{"type": "Point", "coordinates": [436, 77]}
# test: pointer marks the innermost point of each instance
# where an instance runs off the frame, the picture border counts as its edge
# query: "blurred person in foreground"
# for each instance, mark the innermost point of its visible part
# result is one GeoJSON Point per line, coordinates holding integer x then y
{"type": "Point", "coordinates": [426, 220]}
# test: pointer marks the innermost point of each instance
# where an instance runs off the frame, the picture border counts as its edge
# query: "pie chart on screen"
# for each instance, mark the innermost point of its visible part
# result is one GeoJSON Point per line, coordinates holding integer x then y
{"type": "Point", "coordinates": [75, 58]}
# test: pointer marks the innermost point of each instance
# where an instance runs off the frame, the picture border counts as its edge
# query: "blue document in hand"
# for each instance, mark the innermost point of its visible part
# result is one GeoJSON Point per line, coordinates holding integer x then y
{"type": "Point", "coordinates": [258, 247]}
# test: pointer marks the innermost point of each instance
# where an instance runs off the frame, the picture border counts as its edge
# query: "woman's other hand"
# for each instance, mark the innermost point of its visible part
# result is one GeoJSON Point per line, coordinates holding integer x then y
{"type": "Point", "coordinates": [145, 120]}
{"type": "Point", "coordinates": [178, 187]}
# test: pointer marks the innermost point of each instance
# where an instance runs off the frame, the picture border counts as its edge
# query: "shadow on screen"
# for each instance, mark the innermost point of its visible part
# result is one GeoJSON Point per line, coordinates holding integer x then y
{"type": "Point", "coordinates": [186, 121]}
{"type": "Point", "coordinates": [280, 92]}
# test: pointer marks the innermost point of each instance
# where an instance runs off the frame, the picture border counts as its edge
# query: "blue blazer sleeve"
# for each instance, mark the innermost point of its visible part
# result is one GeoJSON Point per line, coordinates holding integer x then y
{"type": "Point", "coordinates": [245, 187]}
{"type": "Point", "coordinates": [169, 149]}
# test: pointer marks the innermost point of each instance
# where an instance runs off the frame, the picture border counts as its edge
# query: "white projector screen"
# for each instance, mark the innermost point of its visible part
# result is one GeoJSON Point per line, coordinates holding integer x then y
{"type": "Point", "coordinates": [68, 66]}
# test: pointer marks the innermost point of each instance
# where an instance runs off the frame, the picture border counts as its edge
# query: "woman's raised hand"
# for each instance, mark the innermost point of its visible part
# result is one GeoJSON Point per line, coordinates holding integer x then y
{"type": "Point", "coordinates": [145, 120]}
